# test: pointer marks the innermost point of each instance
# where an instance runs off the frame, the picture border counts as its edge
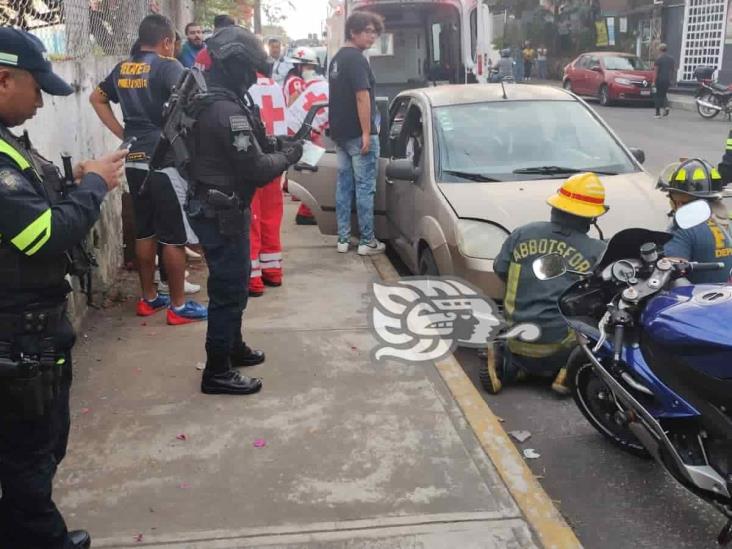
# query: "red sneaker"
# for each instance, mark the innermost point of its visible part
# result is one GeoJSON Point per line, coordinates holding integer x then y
{"type": "Point", "coordinates": [149, 308]}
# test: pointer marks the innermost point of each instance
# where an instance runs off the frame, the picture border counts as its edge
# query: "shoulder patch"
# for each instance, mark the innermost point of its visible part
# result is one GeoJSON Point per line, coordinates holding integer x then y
{"type": "Point", "coordinates": [242, 142]}
{"type": "Point", "coordinates": [10, 179]}
{"type": "Point", "coordinates": [239, 124]}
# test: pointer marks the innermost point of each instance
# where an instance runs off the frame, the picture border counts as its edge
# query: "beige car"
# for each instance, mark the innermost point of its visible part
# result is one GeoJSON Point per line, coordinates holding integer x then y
{"type": "Point", "coordinates": [462, 166]}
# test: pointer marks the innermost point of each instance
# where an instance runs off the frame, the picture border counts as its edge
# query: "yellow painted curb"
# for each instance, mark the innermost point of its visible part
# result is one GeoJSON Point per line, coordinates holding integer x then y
{"type": "Point", "coordinates": [541, 514]}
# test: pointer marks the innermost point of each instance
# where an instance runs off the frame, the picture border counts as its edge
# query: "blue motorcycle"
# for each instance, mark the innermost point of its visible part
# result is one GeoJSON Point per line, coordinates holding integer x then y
{"type": "Point", "coordinates": [653, 370]}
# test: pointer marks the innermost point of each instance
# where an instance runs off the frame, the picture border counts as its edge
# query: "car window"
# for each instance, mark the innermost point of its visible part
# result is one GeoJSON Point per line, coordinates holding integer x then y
{"type": "Point", "coordinates": [411, 139]}
{"type": "Point", "coordinates": [496, 138]}
{"type": "Point", "coordinates": [593, 61]}
{"type": "Point", "coordinates": [623, 63]}
{"type": "Point", "coordinates": [582, 62]}
{"type": "Point", "coordinates": [398, 113]}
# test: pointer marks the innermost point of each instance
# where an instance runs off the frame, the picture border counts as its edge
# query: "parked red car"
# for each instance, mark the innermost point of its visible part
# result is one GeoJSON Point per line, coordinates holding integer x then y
{"type": "Point", "coordinates": [610, 76]}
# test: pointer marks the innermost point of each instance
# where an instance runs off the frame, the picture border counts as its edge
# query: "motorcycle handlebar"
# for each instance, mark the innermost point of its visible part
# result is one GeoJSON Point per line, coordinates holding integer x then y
{"type": "Point", "coordinates": [696, 266]}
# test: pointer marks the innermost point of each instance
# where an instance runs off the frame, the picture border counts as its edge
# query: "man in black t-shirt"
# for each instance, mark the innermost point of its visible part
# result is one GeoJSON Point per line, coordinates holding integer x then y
{"type": "Point", "coordinates": [354, 126]}
{"type": "Point", "coordinates": [141, 85]}
{"type": "Point", "coordinates": [665, 66]}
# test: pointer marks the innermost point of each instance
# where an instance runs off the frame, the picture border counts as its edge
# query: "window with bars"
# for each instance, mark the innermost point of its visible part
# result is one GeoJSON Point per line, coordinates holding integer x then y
{"type": "Point", "coordinates": [703, 40]}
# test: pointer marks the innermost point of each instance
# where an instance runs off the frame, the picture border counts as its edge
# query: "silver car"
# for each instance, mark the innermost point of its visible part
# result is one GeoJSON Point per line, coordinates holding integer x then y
{"type": "Point", "coordinates": [462, 166]}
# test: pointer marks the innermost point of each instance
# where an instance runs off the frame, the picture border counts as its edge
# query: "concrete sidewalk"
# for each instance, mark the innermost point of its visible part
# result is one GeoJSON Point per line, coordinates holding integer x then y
{"type": "Point", "coordinates": [356, 454]}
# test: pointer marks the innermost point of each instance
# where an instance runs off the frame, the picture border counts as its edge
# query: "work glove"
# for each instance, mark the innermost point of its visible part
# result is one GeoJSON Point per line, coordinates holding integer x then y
{"type": "Point", "coordinates": [293, 152]}
{"type": "Point", "coordinates": [285, 141]}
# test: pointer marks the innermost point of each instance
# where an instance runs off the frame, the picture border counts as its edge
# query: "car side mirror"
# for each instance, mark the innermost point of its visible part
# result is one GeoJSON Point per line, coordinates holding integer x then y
{"type": "Point", "coordinates": [549, 266]}
{"type": "Point", "coordinates": [596, 68]}
{"type": "Point", "coordinates": [401, 169]}
{"type": "Point", "coordinates": [638, 154]}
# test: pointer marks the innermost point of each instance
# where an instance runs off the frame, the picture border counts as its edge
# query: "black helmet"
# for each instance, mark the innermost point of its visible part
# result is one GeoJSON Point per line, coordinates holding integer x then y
{"type": "Point", "coordinates": [239, 46]}
{"type": "Point", "coordinates": [694, 177]}
{"type": "Point", "coordinates": [506, 52]}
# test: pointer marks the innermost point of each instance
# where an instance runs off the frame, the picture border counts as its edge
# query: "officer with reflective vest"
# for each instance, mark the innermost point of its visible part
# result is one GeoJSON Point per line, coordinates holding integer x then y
{"type": "Point", "coordinates": [685, 182]}
{"type": "Point", "coordinates": [231, 158]}
{"type": "Point", "coordinates": [725, 166]}
{"type": "Point", "coordinates": [575, 207]}
{"type": "Point", "coordinates": [42, 218]}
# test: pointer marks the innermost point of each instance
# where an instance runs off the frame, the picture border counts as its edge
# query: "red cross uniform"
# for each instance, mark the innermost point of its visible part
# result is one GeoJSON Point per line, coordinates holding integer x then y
{"type": "Point", "coordinates": [267, 204]}
{"type": "Point", "coordinates": [294, 85]}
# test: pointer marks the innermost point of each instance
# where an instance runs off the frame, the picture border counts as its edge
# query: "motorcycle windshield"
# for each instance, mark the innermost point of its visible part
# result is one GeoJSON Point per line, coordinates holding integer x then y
{"type": "Point", "coordinates": [627, 244]}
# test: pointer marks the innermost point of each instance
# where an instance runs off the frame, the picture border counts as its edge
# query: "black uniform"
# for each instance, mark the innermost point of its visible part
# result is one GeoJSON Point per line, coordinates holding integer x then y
{"type": "Point", "coordinates": [231, 160]}
{"type": "Point", "coordinates": [38, 228]}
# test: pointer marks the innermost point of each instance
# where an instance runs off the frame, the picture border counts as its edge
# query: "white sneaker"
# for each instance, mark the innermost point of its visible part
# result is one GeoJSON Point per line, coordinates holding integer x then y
{"type": "Point", "coordinates": [189, 288]}
{"type": "Point", "coordinates": [343, 246]}
{"type": "Point", "coordinates": [372, 248]}
{"type": "Point", "coordinates": [191, 255]}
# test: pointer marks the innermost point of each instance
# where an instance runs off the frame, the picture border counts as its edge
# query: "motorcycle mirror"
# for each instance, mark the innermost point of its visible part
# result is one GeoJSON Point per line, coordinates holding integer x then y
{"type": "Point", "coordinates": [693, 214]}
{"type": "Point", "coordinates": [549, 266]}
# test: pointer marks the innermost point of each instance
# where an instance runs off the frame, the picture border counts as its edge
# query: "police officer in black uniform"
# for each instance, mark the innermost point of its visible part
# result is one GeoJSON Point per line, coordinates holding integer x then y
{"type": "Point", "coordinates": [41, 223]}
{"type": "Point", "coordinates": [231, 157]}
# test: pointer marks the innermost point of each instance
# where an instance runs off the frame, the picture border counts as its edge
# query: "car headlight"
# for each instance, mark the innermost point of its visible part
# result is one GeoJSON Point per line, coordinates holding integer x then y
{"type": "Point", "coordinates": [479, 239]}
{"type": "Point", "coordinates": [623, 82]}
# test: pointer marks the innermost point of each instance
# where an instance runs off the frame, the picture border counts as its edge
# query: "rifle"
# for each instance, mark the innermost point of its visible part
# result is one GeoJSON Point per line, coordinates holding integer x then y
{"type": "Point", "coordinates": [177, 124]}
{"type": "Point", "coordinates": [81, 256]}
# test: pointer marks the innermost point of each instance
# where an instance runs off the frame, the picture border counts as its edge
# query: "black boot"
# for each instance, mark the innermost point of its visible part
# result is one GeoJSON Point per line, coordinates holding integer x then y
{"type": "Point", "coordinates": [219, 379]}
{"type": "Point", "coordinates": [242, 356]}
{"type": "Point", "coordinates": [80, 539]}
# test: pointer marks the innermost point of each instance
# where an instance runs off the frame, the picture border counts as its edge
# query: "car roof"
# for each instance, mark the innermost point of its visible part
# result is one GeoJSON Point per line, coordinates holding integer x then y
{"type": "Point", "coordinates": [610, 53]}
{"type": "Point", "coordinates": [460, 94]}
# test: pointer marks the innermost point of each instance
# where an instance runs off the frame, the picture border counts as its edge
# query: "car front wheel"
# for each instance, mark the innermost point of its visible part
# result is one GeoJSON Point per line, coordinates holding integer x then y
{"type": "Point", "coordinates": [427, 263]}
{"type": "Point", "coordinates": [604, 96]}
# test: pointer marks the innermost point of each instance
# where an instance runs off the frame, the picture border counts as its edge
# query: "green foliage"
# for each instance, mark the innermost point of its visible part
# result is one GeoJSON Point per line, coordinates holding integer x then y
{"type": "Point", "coordinates": [274, 12]}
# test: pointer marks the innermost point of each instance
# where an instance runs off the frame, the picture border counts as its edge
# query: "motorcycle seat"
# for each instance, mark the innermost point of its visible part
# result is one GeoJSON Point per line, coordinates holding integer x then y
{"type": "Point", "coordinates": [716, 86]}
{"type": "Point", "coordinates": [705, 393]}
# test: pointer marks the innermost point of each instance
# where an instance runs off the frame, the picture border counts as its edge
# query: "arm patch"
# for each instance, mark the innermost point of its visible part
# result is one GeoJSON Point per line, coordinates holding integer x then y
{"type": "Point", "coordinates": [239, 124]}
{"type": "Point", "coordinates": [10, 179]}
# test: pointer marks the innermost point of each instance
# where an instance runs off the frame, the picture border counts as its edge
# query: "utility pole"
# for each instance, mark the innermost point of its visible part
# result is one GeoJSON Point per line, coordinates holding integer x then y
{"type": "Point", "coordinates": [257, 16]}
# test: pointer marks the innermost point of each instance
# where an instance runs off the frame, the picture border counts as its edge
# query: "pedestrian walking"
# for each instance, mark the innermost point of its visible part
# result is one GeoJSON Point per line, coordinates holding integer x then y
{"type": "Point", "coordinates": [541, 63]}
{"type": "Point", "coordinates": [528, 55]}
{"type": "Point", "coordinates": [41, 223]}
{"type": "Point", "coordinates": [233, 157]}
{"type": "Point", "coordinates": [354, 126]}
{"type": "Point", "coordinates": [193, 44]}
{"type": "Point", "coordinates": [141, 85]}
{"type": "Point", "coordinates": [665, 69]}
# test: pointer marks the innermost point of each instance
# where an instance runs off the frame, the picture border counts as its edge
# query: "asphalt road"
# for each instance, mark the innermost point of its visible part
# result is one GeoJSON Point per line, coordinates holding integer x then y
{"type": "Point", "coordinates": [614, 500]}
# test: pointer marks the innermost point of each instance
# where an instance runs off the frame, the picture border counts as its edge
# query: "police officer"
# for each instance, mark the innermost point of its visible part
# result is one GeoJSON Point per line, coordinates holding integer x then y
{"type": "Point", "coordinates": [725, 166]}
{"type": "Point", "coordinates": [231, 157]}
{"type": "Point", "coordinates": [39, 226]}
{"type": "Point", "coordinates": [575, 206]}
{"type": "Point", "coordinates": [708, 242]}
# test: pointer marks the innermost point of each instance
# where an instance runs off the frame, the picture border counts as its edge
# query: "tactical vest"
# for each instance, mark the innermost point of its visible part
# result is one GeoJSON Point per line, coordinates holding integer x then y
{"type": "Point", "coordinates": [209, 168]}
{"type": "Point", "coordinates": [19, 271]}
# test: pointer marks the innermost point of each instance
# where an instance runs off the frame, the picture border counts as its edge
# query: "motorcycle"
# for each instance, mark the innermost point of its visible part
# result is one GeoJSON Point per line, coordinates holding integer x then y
{"type": "Point", "coordinates": [653, 369]}
{"type": "Point", "coordinates": [711, 97]}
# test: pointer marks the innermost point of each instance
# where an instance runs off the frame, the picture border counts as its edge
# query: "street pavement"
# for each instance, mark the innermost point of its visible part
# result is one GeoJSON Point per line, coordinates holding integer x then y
{"type": "Point", "coordinates": [336, 451]}
{"type": "Point", "coordinates": [611, 499]}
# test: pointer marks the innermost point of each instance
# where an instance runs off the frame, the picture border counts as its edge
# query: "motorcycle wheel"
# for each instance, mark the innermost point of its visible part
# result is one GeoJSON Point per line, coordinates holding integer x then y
{"type": "Point", "coordinates": [705, 112]}
{"type": "Point", "coordinates": [594, 399]}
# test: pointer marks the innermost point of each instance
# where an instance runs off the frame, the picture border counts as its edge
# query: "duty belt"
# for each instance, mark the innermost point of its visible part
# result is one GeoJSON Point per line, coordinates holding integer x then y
{"type": "Point", "coordinates": [31, 321]}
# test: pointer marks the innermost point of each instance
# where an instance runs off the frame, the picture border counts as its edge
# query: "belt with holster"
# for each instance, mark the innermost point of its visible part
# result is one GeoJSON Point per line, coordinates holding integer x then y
{"type": "Point", "coordinates": [227, 208]}
{"type": "Point", "coordinates": [32, 367]}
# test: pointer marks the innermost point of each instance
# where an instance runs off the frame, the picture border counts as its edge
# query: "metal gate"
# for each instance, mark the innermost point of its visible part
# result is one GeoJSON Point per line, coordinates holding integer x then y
{"type": "Point", "coordinates": [703, 38]}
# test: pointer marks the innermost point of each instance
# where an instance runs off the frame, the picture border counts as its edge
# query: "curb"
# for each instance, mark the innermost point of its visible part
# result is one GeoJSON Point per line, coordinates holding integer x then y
{"type": "Point", "coordinates": [535, 504]}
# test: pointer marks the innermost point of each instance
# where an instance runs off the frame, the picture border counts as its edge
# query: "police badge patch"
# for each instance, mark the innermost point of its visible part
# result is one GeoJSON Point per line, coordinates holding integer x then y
{"type": "Point", "coordinates": [10, 179]}
{"type": "Point", "coordinates": [242, 142]}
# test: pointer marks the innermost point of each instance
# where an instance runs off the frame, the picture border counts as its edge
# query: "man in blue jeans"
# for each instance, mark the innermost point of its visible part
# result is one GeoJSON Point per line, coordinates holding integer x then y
{"type": "Point", "coordinates": [354, 126]}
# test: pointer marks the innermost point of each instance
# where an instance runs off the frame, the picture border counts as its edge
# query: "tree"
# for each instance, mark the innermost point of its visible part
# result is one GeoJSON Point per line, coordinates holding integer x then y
{"type": "Point", "coordinates": [274, 11]}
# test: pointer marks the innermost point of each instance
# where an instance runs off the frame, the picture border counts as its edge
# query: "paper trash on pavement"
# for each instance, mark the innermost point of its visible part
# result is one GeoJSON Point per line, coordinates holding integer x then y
{"type": "Point", "coordinates": [530, 453]}
{"type": "Point", "coordinates": [521, 436]}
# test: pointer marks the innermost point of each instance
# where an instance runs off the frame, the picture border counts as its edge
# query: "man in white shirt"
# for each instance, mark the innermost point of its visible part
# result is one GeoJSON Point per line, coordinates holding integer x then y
{"type": "Point", "coordinates": [281, 66]}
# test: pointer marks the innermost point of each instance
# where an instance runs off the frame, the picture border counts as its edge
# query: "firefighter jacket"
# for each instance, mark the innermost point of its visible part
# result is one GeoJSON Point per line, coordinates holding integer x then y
{"type": "Point", "coordinates": [530, 300]}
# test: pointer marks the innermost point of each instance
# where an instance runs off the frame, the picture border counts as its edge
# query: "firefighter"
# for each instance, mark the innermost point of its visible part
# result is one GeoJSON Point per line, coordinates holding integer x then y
{"type": "Point", "coordinates": [686, 182]}
{"type": "Point", "coordinates": [575, 207]}
{"type": "Point", "coordinates": [42, 220]}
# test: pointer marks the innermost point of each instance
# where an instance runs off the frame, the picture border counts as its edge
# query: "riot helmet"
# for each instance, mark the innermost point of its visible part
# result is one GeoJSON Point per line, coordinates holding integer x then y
{"type": "Point", "coordinates": [694, 177]}
{"type": "Point", "coordinates": [239, 55]}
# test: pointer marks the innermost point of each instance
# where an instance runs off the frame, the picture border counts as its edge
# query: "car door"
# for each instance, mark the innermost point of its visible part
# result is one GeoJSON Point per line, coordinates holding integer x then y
{"type": "Point", "coordinates": [579, 75]}
{"type": "Point", "coordinates": [400, 193]}
{"type": "Point", "coordinates": [316, 187]}
{"type": "Point", "coordinates": [595, 76]}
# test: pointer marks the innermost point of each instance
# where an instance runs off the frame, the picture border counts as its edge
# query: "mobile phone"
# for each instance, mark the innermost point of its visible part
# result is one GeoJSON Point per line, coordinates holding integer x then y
{"type": "Point", "coordinates": [127, 143]}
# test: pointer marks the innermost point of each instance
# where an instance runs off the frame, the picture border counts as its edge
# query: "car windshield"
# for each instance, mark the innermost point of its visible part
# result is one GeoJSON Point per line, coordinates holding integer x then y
{"type": "Point", "coordinates": [523, 140]}
{"type": "Point", "coordinates": [624, 63]}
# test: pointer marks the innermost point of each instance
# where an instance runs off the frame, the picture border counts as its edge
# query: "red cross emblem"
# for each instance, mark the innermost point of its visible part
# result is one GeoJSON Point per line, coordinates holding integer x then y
{"type": "Point", "coordinates": [311, 99]}
{"type": "Point", "coordinates": [270, 114]}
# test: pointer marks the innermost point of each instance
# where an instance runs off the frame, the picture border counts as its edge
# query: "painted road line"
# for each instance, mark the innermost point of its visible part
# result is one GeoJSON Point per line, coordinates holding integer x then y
{"type": "Point", "coordinates": [542, 515]}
